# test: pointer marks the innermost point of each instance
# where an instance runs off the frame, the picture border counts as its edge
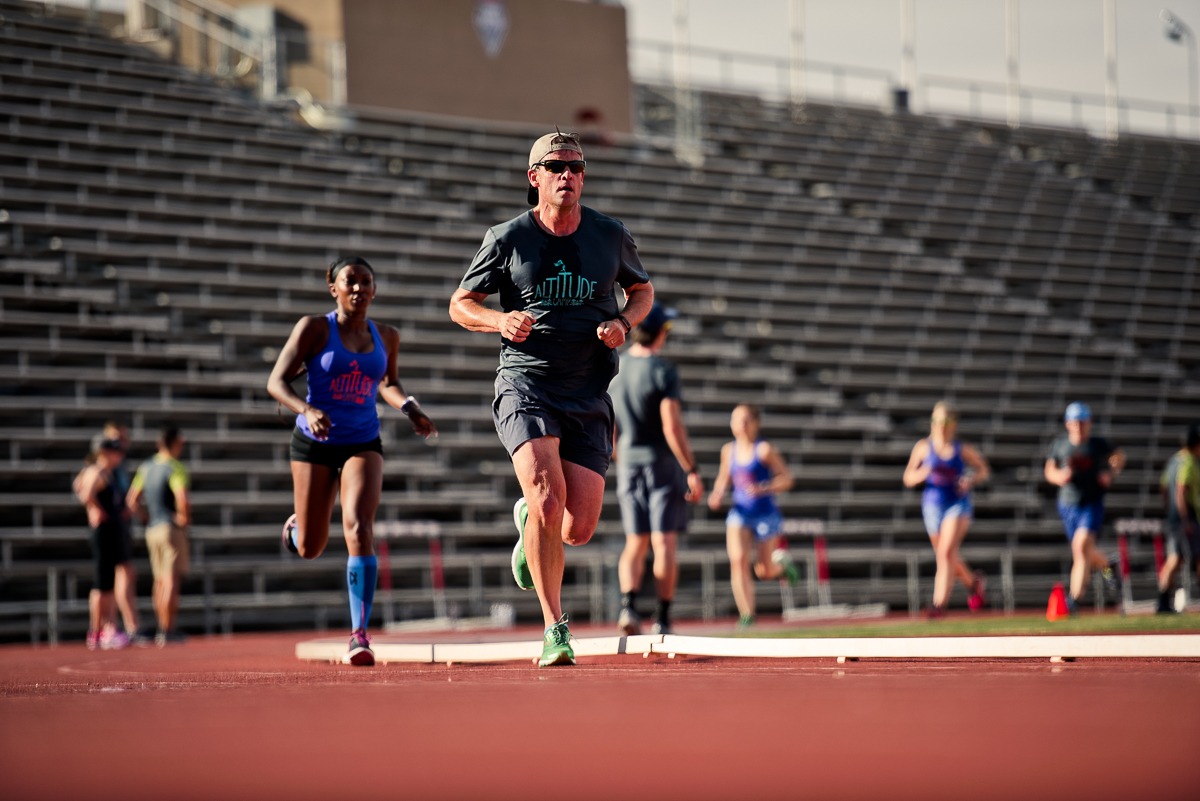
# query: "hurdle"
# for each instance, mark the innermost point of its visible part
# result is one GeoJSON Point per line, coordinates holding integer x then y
{"type": "Point", "coordinates": [820, 597]}
{"type": "Point", "coordinates": [502, 615]}
{"type": "Point", "coordinates": [1132, 527]}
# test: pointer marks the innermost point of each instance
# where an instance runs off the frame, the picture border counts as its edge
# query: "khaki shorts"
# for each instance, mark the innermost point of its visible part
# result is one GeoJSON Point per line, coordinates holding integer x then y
{"type": "Point", "coordinates": [168, 547]}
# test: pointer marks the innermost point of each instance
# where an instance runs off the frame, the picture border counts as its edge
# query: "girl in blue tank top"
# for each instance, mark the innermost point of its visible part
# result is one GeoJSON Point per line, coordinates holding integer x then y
{"type": "Point", "coordinates": [757, 472]}
{"type": "Point", "coordinates": [335, 446]}
{"type": "Point", "coordinates": [343, 384]}
{"type": "Point", "coordinates": [941, 463]}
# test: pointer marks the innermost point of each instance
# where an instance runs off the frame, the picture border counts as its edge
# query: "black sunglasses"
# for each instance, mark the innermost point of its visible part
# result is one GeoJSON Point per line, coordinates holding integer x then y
{"type": "Point", "coordinates": [556, 166]}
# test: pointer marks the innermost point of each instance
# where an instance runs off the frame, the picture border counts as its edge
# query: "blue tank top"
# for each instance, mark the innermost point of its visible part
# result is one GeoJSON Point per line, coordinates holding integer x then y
{"type": "Point", "coordinates": [942, 483]}
{"type": "Point", "coordinates": [344, 385]}
{"type": "Point", "coordinates": [745, 474]}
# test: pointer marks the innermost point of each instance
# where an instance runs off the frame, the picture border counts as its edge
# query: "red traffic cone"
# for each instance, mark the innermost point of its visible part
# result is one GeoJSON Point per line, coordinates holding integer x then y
{"type": "Point", "coordinates": [1056, 609]}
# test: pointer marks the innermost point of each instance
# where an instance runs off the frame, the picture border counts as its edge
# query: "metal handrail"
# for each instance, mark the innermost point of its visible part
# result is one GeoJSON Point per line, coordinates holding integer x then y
{"type": "Point", "coordinates": [217, 23]}
{"type": "Point", "coordinates": [659, 69]}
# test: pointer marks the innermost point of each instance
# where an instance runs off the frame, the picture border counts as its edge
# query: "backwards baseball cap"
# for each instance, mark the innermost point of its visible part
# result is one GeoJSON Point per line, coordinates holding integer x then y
{"type": "Point", "coordinates": [1078, 412]}
{"type": "Point", "coordinates": [552, 143]}
{"type": "Point", "coordinates": [544, 146]}
{"type": "Point", "coordinates": [659, 317]}
{"type": "Point", "coordinates": [106, 444]}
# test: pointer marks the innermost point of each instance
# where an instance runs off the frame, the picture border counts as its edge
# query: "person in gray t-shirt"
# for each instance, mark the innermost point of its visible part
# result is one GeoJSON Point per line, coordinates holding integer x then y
{"type": "Point", "coordinates": [1083, 468]}
{"type": "Point", "coordinates": [558, 270]}
{"type": "Point", "coordinates": [161, 490]}
{"type": "Point", "coordinates": [657, 475]}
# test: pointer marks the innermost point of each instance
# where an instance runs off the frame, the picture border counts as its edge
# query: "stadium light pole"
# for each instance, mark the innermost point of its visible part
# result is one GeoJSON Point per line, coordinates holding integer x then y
{"type": "Point", "coordinates": [1012, 47]}
{"type": "Point", "coordinates": [796, 51]}
{"type": "Point", "coordinates": [1176, 30]}
{"type": "Point", "coordinates": [908, 54]}
{"type": "Point", "coordinates": [1013, 58]}
{"type": "Point", "coordinates": [687, 111]}
{"type": "Point", "coordinates": [1112, 113]}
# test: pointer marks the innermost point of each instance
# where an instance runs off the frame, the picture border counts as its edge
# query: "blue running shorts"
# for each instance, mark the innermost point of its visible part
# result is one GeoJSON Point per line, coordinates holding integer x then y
{"type": "Point", "coordinates": [935, 512]}
{"type": "Point", "coordinates": [1087, 516]}
{"type": "Point", "coordinates": [763, 526]}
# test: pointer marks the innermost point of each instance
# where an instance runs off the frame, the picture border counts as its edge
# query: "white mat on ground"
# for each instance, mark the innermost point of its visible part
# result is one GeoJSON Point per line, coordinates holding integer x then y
{"type": "Point", "coordinates": [1134, 646]}
{"type": "Point", "coordinates": [1107, 645]}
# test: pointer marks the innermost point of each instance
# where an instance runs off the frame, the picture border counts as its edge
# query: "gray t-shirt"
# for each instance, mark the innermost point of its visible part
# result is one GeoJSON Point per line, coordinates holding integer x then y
{"type": "Point", "coordinates": [159, 477]}
{"type": "Point", "coordinates": [637, 394]}
{"type": "Point", "coordinates": [567, 283]}
{"type": "Point", "coordinates": [1087, 461]}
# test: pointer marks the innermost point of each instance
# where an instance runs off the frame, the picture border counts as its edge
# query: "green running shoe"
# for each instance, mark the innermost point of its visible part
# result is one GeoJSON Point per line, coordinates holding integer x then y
{"type": "Point", "coordinates": [784, 559]}
{"type": "Point", "coordinates": [556, 645]}
{"type": "Point", "coordinates": [520, 566]}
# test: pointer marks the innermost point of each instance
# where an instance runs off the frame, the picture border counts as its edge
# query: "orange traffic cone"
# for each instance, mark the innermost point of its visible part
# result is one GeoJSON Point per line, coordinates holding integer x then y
{"type": "Point", "coordinates": [1056, 609]}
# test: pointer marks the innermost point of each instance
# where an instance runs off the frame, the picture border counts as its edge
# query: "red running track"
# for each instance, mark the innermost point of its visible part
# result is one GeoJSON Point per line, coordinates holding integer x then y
{"type": "Point", "coordinates": [242, 718]}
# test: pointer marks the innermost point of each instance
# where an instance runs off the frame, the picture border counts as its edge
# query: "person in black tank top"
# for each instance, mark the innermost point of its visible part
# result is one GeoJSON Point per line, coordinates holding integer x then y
{"type": "Point", "coordinates": [103, 499]}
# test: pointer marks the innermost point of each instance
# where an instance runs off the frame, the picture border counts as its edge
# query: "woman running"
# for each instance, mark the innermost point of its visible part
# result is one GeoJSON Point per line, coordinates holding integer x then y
{"type": "Point", "coordinates": [758, 473]}
{"type": "Point", "coordinates": [350, 361]}
{"type": "Point", "coordinates": [949, 469]}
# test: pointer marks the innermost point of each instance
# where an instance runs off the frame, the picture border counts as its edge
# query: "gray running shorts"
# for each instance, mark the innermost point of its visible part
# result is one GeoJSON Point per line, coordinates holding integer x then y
{"type": "Point", "coordinates": [652, 497]}
{"type": "Point", "coordinates": [1182, 537]}
{"type": "Point", "coordinates": [584, 426]}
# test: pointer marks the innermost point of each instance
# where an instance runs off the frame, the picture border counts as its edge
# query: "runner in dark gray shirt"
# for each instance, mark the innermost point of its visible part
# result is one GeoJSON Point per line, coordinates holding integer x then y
{"type": "Point", "coordinates": [1083, 468]}
{"type": "Point", "coordinates": [657, 475]}
{"type": "Point", "coordinates": [557, 270]}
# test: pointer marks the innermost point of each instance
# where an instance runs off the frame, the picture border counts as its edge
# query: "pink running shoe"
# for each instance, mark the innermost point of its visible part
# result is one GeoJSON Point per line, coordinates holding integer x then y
{"type": "Point", "coordinates": [360, 653]}
{"type": "Point", "coordinates": [113, 640]}
{"type": "Point", "coordinates": [978, 599]}
{"type": "Point", "coordinates": [288, 529]}
{"type": "Point", "coordinates": [93, 640]}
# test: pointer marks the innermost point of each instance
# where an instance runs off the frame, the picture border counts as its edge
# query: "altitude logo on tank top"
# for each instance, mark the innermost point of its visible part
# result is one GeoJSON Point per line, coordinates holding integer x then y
{"type": "Point", "coordinates": [943, 474]}
{"type": "Point", "coordinates": [564, 289]}
{"type": "Point", "coordinates": [352, 387]}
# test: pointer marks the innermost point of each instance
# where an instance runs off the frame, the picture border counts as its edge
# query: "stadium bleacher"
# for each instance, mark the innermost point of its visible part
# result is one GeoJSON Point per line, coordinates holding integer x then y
{"type": "Point", "coordinates": [842, 267]}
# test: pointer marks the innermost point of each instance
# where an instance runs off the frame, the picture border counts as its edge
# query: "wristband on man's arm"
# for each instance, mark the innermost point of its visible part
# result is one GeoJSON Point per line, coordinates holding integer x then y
{"type": "Point", "coordinates": [621, 319]}
{"type": "Point", "coordinates": [409, 406]}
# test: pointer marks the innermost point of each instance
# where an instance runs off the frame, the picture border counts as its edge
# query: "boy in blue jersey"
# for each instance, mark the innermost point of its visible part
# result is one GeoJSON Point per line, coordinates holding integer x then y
{"type": "Point", "coordinates": [350, 362]}
{"type": "Point", "coordinates": [1083, 468]}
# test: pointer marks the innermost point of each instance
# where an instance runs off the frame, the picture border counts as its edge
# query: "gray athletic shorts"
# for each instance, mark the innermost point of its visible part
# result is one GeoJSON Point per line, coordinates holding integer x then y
{"type": "Point", "coordinates": [1182, 540]}
{"type": "Point", "coordinates": [584, 426]}
{"type": "Point", "coordinates": [652, 497]}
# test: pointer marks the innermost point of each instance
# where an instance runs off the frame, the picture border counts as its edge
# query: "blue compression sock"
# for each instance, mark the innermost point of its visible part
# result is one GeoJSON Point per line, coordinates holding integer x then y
{"type": "Point", "coordinates": [361, 575]}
